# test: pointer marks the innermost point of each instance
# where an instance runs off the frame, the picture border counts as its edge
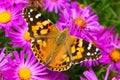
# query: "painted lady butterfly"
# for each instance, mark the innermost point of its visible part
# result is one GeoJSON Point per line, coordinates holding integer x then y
{"type": "Point", "coordinates": [54, 48]}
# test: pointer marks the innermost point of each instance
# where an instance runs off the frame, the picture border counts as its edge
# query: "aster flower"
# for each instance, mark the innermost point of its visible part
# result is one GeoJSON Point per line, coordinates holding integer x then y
{"type": "Point", "coordinates": [109, 45]}
{"type": "Point", "coordinates": [10, 15]}
{"type": "Point", "coordinates": [20, 36]}
{"type": "Point", "coordinates": [90, 75]}
{"type": "Point", "coordinates": [27, 68]}
{"type": "Point", "coordinates": [3, 63]}
{"type": "Point", "coordinates": [22, 3]}
{"type": "Point", "coordinates": [81, 20]}
{"type": "Point", "coordinates": [55, 5]}
{"type": "Point", "coordinates": [90, 63]}
{"type": "Point", "coordinates": [19, 2]}
{"type": "Point", "coordinates": [105, 36]}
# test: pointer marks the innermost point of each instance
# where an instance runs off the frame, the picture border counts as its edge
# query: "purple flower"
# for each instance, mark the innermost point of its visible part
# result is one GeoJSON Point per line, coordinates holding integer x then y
{"type": "Point", "coordinates": [27, 68]}
{"type": "Point", "coordinates": [18, 1]}
{"type": "Point", "coordinates": [20, 36]}
{"type": "Point", "coordinates": [21, 3]}
{"type": "Point", "coordinates": [90, 75]}
{"type": "Point", "coordinates": [105, 36]}
{"type": "Point", "coordinates": [10, 15]}
{"type": "Point", "coordinates": [81, 21]}
{"type": "Point", "coordinates": [89, 63]}
{"type": "Point", "coordinates": [55, 5]}
{"type": "Point", "coordinates": [110, 48]}
{"type": "Point", "coordinates": [4, 59]}
{"type": "Point", "coordinates": [109, 45]}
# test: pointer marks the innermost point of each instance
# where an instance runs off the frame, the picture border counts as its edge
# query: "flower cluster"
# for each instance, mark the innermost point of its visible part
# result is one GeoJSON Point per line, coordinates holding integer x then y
{"type": "Point", "coordinates": [82, 22]}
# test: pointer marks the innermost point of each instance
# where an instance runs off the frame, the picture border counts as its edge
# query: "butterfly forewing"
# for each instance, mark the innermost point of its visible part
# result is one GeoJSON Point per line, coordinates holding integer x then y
{"type": "Point", "coordinates": [37, 24]}
{"type": "Point", "coordinates": [42, 31]}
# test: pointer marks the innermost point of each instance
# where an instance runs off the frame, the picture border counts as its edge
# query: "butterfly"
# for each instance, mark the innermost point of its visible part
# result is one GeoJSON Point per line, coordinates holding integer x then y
{"type": "Point", "coordinates": [56, 49]}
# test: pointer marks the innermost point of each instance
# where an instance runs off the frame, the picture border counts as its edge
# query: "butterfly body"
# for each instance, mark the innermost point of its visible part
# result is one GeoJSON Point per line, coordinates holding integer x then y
{"type": "Point", "coordinates": [56, 49]}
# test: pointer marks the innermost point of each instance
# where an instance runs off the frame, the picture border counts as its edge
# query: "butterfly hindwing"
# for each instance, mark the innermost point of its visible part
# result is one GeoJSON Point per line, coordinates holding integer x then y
{"type": "Point", "coordinates": [42, 49]}
{"type": "Point", "coordinates": [82, 50]}
{"type": "Point", "coordinates": [53, 52]}
{"type": "Point", "coordinates": [62, 61]}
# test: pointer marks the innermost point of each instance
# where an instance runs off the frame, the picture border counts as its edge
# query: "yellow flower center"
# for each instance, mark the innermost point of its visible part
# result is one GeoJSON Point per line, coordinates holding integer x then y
{"type": "Point", "coordinates": [27, 36]}
{"type": "Point", "coordinates": [81, 5]}
{"type": "Point", "coordinates": [115, 55]}
{"type": "Point", "coordinates": [5, 17]}
{"type": "Point", "coordinates": [81, 22]}
{"type": "Point", "coordinates": [24, 74]}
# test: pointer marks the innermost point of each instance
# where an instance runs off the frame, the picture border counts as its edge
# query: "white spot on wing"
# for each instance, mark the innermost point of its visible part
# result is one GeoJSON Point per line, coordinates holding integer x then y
{"type": "Point", "coordinates": [97, 49]}
{"type": "Point", "coordinates": [29, 16]}
{"type": "Point", "coordinates": [95, 53]}
{"type": "Point", "coordinates": [88, 54]}
{"type": "Point", "coordinates": [28, 12]}
{"type": "Point", "coordinates": [37, 16]}
{"type": "Point", "coordinates": [92, 54]}
{"type": "Point", "coordinates": [31, 10]}
{"type": "Point", "coordinates": [31, 19]}
{"type": "Point", "coordinates": [89, 46]}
